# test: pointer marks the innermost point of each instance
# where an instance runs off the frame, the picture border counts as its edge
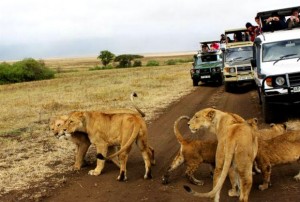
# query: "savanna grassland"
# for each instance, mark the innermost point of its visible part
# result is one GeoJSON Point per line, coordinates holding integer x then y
{"type": "Point", "coordinates": [30, 156]}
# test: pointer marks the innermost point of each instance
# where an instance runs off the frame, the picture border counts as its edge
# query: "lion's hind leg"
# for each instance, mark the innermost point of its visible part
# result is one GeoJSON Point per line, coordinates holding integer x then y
{"type": "Point", "coordinates": [192, 166]}
{"type": "Point", "coordinates": [178, 160]}
{"type": "Point", "coordinates": [123, 157]}
{"type": "Point", "coordinates": [143, 146]}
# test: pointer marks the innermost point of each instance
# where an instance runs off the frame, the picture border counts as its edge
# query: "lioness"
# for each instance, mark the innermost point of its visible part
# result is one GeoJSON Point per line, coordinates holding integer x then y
{"type": "Point", "coordinates": [279, 150]}
{"type": "Point", "coordinates": [237, 146]}
{"type": "Point", "coordinates": [192, 153]}
{"type": "Point", "coordinates": [108, 129]}
{"type": "Point", "coordinates": [81, 139]}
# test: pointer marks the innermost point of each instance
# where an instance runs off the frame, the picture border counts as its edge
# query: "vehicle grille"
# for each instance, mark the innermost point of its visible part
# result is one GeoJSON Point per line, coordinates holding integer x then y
{"type": "Point", "coordinates": [294, 79]}
{"type": "Point", "coordinates": [203, 71]}
{"type": "Point", "coordinates": [244, 68]}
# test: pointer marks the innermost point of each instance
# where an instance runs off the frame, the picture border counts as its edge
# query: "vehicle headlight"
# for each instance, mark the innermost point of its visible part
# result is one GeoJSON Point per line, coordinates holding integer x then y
{"type": "Point", "coordinates": [279, 81]}
{"type": "Point", "coordinates": [232, 70]}
{"type": "Point", "coordinates": [213, 70]}
{"type": "Point", "coordinates": [218, 69]}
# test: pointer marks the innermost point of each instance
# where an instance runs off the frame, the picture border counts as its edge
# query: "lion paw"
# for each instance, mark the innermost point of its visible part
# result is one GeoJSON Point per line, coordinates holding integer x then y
{"type": "Point", "coordinates": [297, 177]}
{"type": "Point", "coordinates": [122, 177]}
{"type": "Point", "coordinates": [263, 187]}
{"type": "Point", "coordinates": [94, 172]}
{"type": "Point", "coordinates": [76, 167]}
{"type": "Point", "coordinates": [232, 193]}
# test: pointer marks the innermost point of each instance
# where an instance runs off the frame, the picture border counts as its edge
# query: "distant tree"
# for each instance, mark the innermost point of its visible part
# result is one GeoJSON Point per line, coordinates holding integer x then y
{"type": "Point", "coordinates": [125, 59]}
{"type": "Point", "coordinates": [106, 57]}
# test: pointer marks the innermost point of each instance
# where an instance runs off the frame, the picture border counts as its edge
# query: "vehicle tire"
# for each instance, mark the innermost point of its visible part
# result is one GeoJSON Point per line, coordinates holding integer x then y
{"type": "Point", "coordinates": [268, 113]}
{"type": "Point", "coordinates": [195, 82]}
{"type": "Point", "coordinates": [227, 87]}
{"type": "Point", "coordinates": [220, 81]}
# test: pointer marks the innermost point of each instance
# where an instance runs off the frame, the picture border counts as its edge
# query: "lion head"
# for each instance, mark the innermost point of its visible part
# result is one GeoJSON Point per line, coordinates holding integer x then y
{"type": "Point", "coordinates": [202, 119]}
{"type": "Point", "coordinates": [74, 123]}
{"type": "Point", "coordinates": [56, 124]}
{"type": "Point", "coordinates": [280, 128]}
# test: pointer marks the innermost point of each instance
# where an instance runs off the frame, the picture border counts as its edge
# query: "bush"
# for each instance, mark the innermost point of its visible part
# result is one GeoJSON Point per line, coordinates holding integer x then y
{"type": "Point", "coordinates": [125, 59]}
{"type": "Point", "coordinates": [25, 70]}
{"type": "Point", "coordinates": [137, 63]}
{"type": "Point", "coordinates": [100, 68]}
{"type": "Point", "coordinates": [152, 63]}
{"type": "Point", "coordinates": [171, 62]}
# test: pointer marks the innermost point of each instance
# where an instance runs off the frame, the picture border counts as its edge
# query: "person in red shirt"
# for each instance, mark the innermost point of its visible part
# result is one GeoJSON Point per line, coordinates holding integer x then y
{"type": "Point", "coordinates": [251, 29]}
{"type": "Point", "coordinates": [214, 46]}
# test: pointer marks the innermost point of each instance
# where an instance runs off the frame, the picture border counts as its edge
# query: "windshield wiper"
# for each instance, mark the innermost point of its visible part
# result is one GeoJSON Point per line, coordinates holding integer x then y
{"type": "Point", "coordinates": [234, 59]}
{"type": "Point", "coordinates": [247, 58]}
{"type": "Point", "coordinates": [298, 59]}
{"type": "Point", "coordinates": [283, 57]}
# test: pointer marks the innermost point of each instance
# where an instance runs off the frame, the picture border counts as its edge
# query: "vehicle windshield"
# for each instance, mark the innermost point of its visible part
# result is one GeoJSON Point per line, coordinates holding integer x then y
{"type": "Point", "coordinates": [239, 54]}
{"type": "Point", "coordinates": [208, 58]}
{"type": "Point", "coordinates": [281, 50]}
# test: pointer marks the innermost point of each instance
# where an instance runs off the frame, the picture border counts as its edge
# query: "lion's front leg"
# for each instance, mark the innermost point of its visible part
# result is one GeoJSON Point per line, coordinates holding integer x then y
{"type": "Point", "coordinates": [82, 147]}
{"type": "Point", "coordinates": [102, 149]}
{"type": "Point", "coordinates": [266, 173]}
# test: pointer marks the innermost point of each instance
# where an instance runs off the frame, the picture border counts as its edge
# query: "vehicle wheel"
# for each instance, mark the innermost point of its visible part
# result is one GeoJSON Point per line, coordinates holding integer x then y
{"type": "Point", "coordinates": [268, 113]}
{"type": "Point", "coordinates": [227, 87]}
{"type": "Point", "coordinates": [220, 81]}
{"type": "Point", "coordinates": [195, 82]}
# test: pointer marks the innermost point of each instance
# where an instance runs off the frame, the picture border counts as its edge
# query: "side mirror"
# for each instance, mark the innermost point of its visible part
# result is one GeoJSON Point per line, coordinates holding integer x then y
{"type": "Point", "coordinates": [253, 62]}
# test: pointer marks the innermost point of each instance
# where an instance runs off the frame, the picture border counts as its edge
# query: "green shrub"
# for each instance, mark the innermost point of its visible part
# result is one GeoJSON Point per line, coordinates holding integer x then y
{"type": "Point", "coordinates": [152, 63]}
{"type": "Point", "coordinates": [171, 62]}
{"type": "Point", "coordinates": [101, 67]}
{"type": "Point", "coordinates": [25, 70]}
{"type": "Point", "coordinates": [137, 63]}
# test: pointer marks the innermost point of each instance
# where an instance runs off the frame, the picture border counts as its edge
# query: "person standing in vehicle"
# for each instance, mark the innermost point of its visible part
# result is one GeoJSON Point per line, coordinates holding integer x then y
{"type": "Point", "coordinates": [274, 23]}
{"type": "Point", "coordinates": [251, 29]}
{"type": "Point", "coordinates": [294, 21]}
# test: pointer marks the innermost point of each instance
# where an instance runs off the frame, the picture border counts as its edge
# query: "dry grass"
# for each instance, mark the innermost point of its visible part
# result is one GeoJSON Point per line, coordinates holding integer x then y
{"type": "Point", "coordinates": [29, 154]}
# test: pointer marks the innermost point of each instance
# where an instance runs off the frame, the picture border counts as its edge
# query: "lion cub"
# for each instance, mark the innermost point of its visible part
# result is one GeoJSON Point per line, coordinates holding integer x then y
{"type": "Point", "coordinates": [192, 153]}
{"type": "Point", "coordinates": [279, 150]}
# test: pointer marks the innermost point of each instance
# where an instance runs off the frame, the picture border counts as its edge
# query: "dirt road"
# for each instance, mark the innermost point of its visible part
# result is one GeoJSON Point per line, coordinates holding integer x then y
{"type": "Point", "coordinates": [82, 187]}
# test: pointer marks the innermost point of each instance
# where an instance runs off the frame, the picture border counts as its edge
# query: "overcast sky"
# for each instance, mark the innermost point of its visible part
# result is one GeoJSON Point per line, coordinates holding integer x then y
{"type": "Point", "coordinates": [74, 28]}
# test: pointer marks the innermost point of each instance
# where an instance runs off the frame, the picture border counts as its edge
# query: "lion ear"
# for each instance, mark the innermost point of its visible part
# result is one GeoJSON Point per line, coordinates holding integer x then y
{"type": "Point", "coordinates": [255, 120]}
{"type": "Point", "coordinates": [284, 126]}
{"type": "Point", "coordinates": [272, 125]}
{"type": "Point", "coordinates": [211, 114]}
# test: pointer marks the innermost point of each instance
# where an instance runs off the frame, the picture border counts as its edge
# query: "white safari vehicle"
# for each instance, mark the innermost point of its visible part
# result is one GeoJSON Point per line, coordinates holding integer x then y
{"type": "Point", "coordinates": [277, 68]}
{"type": "Point", "coordinates": [238, 54]}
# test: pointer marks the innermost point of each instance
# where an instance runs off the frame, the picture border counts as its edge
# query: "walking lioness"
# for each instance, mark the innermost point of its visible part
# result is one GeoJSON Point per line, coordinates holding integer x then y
{"type": "Point", "coordinates": [109, 129]}
{"type": "Point", "coordinates": [81, 139]}
{"type": "Point", "coordinates": [237, 148]}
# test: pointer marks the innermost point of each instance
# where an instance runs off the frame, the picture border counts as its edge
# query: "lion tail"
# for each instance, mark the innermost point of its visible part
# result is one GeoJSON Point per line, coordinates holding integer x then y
{"type": "Point", "coordinates": [218, 187]}
{"type": "Point", "coordinates": [132, 138]}
{"type": "Point", "coordinates": [177, 133]}
{"type": "Point", "coordinates": [132, 95]}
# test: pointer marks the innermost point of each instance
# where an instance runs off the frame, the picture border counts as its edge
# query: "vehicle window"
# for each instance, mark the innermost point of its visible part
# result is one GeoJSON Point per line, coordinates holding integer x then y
{"type": "Point", "coordinates": [239, 54]}
{"type": "Point", "coordinates": [281, 50]}
{"type": "Point", "coordinates": [209, 58]}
